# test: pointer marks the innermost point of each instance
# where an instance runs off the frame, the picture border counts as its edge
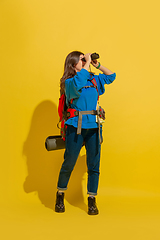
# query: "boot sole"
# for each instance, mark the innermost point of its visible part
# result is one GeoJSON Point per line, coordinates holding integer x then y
{"type": "Point", "coordinates": [59, 210]}
{"type": "Point", "coordinates": [93, 213]}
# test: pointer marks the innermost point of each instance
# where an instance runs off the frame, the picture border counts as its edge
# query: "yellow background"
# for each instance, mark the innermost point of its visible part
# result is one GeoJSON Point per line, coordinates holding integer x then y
{"type": "Point", "coordinates": [35, 37]}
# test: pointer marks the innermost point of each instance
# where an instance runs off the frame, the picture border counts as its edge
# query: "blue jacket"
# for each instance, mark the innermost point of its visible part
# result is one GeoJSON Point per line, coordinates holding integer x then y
{"type": "Point", "coordinates": [85, 99]}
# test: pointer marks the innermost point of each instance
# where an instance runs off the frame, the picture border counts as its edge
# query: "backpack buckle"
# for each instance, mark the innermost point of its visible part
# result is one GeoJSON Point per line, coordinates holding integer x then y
{"type": "Point", "coordinates": [71, 112]}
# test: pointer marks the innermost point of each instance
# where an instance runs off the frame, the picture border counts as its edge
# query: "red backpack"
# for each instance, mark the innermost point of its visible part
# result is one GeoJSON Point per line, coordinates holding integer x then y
{"type": "Point", "coordinates": [62, 108]}
{"type": "Point", "coordinates": [64, 114]}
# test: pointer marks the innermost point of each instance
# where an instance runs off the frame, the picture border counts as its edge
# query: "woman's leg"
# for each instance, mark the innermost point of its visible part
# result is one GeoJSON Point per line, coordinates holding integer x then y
{"type": "Point", "coordinates": [73, 146]}
{"type": "Point", "coordinates": [93, 149]}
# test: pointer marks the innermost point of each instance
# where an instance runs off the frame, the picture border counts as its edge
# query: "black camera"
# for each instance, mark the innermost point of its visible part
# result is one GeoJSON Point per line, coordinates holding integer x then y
{"type": "Point", "coordinates": [93, 57]}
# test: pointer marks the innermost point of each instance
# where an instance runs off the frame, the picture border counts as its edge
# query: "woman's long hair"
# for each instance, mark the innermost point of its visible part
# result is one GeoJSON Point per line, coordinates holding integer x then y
{"type": "Point", "coordinates": [69, 68]}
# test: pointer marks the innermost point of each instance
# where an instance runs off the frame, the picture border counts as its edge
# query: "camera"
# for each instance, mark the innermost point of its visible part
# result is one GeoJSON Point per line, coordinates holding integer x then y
{"type": "Point", "coordinates": [93, 57]}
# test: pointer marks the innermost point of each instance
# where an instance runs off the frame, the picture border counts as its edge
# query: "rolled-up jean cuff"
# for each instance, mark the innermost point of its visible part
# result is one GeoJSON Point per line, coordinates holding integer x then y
{"type": "Point", "coordinates": [61, 189]}
{"type": "Point", "coordinates": [91, 193]}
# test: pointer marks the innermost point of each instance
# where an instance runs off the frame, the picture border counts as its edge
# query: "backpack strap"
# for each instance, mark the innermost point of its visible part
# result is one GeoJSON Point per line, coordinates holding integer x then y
{"type": "Point", "coordinates": [93, 81]}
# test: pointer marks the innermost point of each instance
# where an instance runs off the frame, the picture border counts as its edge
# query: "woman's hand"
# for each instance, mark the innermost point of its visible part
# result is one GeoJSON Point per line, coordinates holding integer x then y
{"type": "Point", "coordinates": [95, 63]}
{"type": "Point", "coordinates": [87, 57]}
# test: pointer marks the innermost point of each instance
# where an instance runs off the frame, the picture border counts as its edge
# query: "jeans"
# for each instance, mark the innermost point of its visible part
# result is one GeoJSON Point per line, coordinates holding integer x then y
{"type": "Point", "coordinates": [74, 144]}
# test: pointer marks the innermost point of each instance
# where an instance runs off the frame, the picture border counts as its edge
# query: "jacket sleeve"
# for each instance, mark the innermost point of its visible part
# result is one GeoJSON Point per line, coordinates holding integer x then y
{"type": "Point", "coordinates": [103, 79]}
{"type": "Point", "coordinates": [74, 85]}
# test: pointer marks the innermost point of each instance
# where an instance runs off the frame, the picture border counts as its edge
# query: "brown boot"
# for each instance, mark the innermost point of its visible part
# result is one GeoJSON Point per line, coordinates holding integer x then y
{"type": "Point", "coordinates": [92, 208]}
{"type": "Point", "coordinates": [59, 206]}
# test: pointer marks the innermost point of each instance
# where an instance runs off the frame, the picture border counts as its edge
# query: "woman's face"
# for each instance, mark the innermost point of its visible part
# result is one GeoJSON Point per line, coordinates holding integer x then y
{"type": "Point", "coordinates": [80, 64]}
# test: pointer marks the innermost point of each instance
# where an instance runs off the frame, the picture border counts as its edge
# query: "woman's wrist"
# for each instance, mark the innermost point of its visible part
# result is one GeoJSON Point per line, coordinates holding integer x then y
{"type": "Point", "coordinates": [95, 63]}
{"type": "Point", "coordinates": [98, 66]}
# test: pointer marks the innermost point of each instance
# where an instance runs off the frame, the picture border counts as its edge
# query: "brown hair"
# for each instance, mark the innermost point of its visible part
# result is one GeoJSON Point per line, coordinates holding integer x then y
{"type": "Point", "coordinates": [69, 68]}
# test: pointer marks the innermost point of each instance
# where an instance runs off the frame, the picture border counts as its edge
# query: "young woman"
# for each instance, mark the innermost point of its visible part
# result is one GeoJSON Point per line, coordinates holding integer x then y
{"type": "Point", "coordinates": [82, 95]}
